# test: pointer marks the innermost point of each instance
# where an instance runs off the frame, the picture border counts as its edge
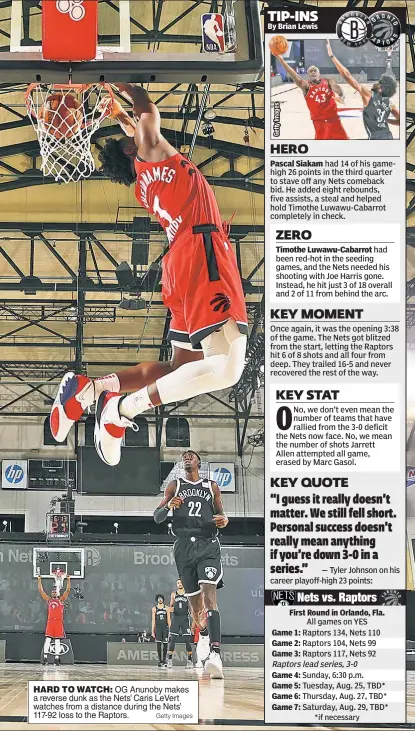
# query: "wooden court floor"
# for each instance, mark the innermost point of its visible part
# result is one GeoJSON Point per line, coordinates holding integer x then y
{"type": "Point", "coordinates": [237, 702]}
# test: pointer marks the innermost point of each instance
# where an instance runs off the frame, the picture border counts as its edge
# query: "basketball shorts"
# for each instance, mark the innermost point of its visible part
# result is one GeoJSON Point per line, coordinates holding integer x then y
{"type": "Point", "coordinates": [162, 633]}
{"type": "Point", "coordinates": [55, 630]}
{"type": "Point", "coordinates": [198, 561]}
{"type": "Point", "coordinates": [201, 285]}
{"type": "Point", "coordinates": [180, 625]}
{"type": "Point", "coordinates": [330, 129]}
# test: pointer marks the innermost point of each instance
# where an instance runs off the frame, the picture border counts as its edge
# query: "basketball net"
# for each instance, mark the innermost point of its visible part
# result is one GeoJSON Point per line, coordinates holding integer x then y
{"type": "Point", "coordinates": [65, 142]}
{"type": "Point", "coordinates": [59, 577]}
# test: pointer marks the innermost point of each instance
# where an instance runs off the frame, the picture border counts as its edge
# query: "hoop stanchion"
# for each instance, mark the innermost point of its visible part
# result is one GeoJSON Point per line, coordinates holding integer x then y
{"type": "Point", "coordinates": [64, 117]}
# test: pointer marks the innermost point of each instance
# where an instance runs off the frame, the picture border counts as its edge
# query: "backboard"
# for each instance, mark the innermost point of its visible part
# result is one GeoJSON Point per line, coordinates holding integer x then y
{"type": "Point", "coordinates": [70, 560]}
{"type": "Point", "coordinates": [140, 41]}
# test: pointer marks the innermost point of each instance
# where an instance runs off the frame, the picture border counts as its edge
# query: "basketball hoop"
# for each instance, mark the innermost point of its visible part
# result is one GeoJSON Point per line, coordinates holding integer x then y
{"type": "Point", "coordinates": [64, 117]}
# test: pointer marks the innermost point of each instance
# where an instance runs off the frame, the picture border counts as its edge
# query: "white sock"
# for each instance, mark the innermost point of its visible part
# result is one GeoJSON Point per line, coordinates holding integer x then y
{"type": "Point", "coordinates": [57, 648]}
{"type": "Point", "coordinates": [46, 646]}
{"type": "Point", "coordinates": [107, 383]}
{"type": "Point", "coordinates": [135, 403]}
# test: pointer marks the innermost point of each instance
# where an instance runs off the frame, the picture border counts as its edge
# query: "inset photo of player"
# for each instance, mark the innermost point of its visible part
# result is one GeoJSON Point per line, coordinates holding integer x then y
{"type": "Point", "coordinates": [324, 90]}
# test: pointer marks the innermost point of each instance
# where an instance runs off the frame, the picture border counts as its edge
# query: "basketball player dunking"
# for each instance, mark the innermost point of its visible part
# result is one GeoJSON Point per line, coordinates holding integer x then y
{"type": "Point", "coordinates": [160, 624]}
{"type": "Point", "coordinates": [54, 625]}
{"type": "Point", "coordinates": [377, 106]}
{"type": "Point", "coordinates": [180, 624]}
{"type": "Point", "coordinates": [197, 515]}
{"type": "Point", "coordinates": [201, 287]}
{"type": "Point", "coordinates": [320, 97]}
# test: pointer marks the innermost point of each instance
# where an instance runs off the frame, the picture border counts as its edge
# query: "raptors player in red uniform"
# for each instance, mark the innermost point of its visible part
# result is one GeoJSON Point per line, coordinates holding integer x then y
{"type": "Point", "coordinates": [54, 625]}
{"type": "Point", "coordinates": [320, 97]}
{"type": "Point", "coordinates": [201, 286]}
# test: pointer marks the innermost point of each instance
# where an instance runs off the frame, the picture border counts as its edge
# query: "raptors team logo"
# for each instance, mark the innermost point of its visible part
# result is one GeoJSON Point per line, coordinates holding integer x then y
{"type": "Point", "coordinates": [220, 303]}
{"type": "Point", "coordinates": [386, 29]}
{"type": "Point", "coordinates": [213, 36]}
{"type": "Point", "coordinates": [210, 572]}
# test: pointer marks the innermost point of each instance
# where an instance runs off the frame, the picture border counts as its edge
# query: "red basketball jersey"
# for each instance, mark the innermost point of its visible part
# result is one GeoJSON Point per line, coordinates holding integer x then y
{"type": "Point", "coordinates": [55, 611]}
{"type": "Point", "coordinates": [321, 101]}
{"type": "Point", "coordinates": [177, 194]}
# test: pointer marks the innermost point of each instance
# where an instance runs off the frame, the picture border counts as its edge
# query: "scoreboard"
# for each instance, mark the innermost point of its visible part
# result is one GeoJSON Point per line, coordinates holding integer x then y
{"type": "Point", "coordinates": [58, 527]}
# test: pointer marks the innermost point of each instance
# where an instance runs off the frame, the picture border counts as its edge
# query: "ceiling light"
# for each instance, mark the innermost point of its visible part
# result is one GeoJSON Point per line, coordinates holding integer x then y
{"type": "Point", "coordinates": [132, 304]}
{"type": "Point", "coordinates": [30, 284]}
{"type": "Point", "coordinates": [209, 114]}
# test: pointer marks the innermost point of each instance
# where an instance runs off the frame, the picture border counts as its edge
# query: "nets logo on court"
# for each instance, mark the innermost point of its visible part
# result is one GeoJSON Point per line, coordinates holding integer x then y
{"type": "Point", "coordinates": [222, 476]}
{"type": "Point", "coordinates": [354, 28]}
{"type": "Point", "coordinates": [386, 29]}
{"type": "Point", "coordinates": [213, 36]}
{"type": "Point", "coordinates": [14, 474]}
{"type": "Point", "coordinates": [75, 8]}
{"type": "Point", "coordinates": [210, 572]}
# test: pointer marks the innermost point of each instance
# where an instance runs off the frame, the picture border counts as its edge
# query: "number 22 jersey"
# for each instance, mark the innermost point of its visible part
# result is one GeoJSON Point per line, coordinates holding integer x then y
{"type": "Point", "coordinates": [194, 516]}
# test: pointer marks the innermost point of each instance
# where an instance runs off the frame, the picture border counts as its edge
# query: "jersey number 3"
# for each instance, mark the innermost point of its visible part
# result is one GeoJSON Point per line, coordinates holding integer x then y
{"type": "Point", "coordinates": [194, 509]}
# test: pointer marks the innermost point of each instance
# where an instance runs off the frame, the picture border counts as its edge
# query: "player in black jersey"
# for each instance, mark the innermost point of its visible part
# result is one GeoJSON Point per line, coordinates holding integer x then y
{"type": "Point", "coordinates": [180, 624]}
{"type": "Point", "coordinates": [160, 624]}
{"type": "Point", "coordinates": [197, 515]}
{"type": "Point", "coordinates": [377, 106]}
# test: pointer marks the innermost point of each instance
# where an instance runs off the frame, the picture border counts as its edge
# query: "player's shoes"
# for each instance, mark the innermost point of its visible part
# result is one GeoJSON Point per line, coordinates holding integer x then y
{"type": "Point", "coordinates": [199, 664]}
{"type": "Point", "coordinates": [44, 660]}
{"type": "Point", "coordinates": [57, 661]}
{"type": "Point", "coordinates": [189, 665]}
{"type": "Point", "coordinates": [110, 428]}
{"type": "Point", "coordinates": [160, 664]}
{"type": "Point", "coordinates": [213, 665]}
{"type": "Point", "coordinates": [203, 648]}
{"type": "Point", "coordinates": [74, 395]}
{"type": "Point", "coordinates": [169, 663]}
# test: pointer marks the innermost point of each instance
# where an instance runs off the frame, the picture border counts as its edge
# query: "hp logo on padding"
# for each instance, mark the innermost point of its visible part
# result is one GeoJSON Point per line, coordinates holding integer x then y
{"type": "Point", "coordinates": [14, 474]}
{"type": "Point", "coordinates": [222, 476]}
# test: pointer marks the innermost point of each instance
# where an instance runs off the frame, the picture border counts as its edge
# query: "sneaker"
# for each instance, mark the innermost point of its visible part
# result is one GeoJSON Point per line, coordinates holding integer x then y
{"type": "Point", "coordinates": [203, 648]}
{"type": "Point", "coordinates": [199, 664]}
{"type": "Point", "coordinates": [213, 665]}
{"type": "Point", "coordinates": [45, 660]}
{"type": "Point", "coordinates": [189, 665]}
{"type": "Point", "coordinates": [110, 428]}
{"type": "Point", "coordinates": [160, 664]}
{"type": "Point", "coordinates": [57, 661]}
{"type": "Point", "coordinates": [169, 663]}
{"type": "Point", "coordinates": [75, 394]}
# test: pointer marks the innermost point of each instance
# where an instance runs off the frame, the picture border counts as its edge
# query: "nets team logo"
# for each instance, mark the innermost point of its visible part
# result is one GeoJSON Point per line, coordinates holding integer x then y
{"type": "Point", "coordinates": [354, 28]}
{"type": "Point", "coordinates": [210, 572]}
{"type": "Point", "coordinates": [213, 36]}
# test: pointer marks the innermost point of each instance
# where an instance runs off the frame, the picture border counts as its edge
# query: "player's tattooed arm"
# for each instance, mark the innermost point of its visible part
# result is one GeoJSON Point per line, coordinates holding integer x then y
{"type": "Point", "coordinates": [347, 76]}
{"type": "Point", "coordinates": [220, 518]}
{"type": "Point", "coordinates": [172, 599]}
{"type": "Point", "coordinates": [153, 622]}
{"type": "Point", "coordinates": [169, 501]}
{"type": "Point", "coordinates": [67, 590]}
{"type": "Point", "coordinates": [40, 589]}
{"type": "Point", "coordinates": [302, 83]}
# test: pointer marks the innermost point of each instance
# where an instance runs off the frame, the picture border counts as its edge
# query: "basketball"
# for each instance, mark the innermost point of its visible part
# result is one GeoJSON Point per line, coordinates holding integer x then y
{"type": "Point", "coordinates": [62, 114]}
{"type": "Point", "coordinates": [278, 45]}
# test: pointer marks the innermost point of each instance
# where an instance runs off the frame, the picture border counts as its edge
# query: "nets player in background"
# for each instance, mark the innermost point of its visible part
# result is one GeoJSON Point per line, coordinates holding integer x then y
{"type": "Point", "coordinates": [377, 106]}
{"type": "Point", "coordinates": [180, 624]}
{"type": "Point", "coordinates": [197, 515]}
{"type": "Point", "coordinates": [160, 624]}
{"type": "Point", "coordinates": [201, 286]}
{"type": "Point", "coordinates": [54, 625]}
{"type": "Point", "coordinates": [320, 97]}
